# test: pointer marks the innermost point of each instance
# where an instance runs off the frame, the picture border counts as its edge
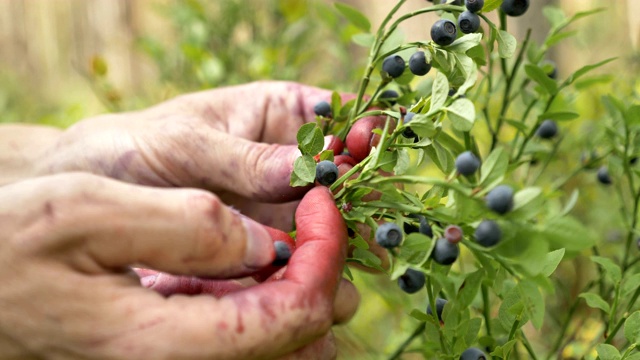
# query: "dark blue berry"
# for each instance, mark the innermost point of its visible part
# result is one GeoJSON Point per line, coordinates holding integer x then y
{"type": "Point", "coordinates": [393, 65]}
{"type": "Point", "coordinates": [283, 253]}
{"type": "Point", "coordinates": [467, 163]}
{"type": "Point", "coordinates": [408, 133]}
{"type": "Point", "coordinates": [488, 233]}
{"type": "Point", "coordinates": [603, 176]}
{"type": "Point", "coordinates": [322, 108]}
{"type": "Point", "coordinates": [440, 303]}
{"type": "Point", "coordinates": [474, 5]}
{"type": "Point", "coordinates": [547, 129]}
{"type": "Point", "coordinates": [412, 281]}
{"type": "Point", "coordinates": [326, 172]}
{"type": "Point", "coordinates": [453, 233]}
{"type": "Point", "coordinates": [468, 22]}
{"type": "Point", "coordinates": [445, 252]}
{"type": "Point", "coordinates": [388, 235]}
{"type": "Point", "coordinates": [500, 199]}
{"type": "Point", "coordinates": [418, 64]}
{"type": "Point", "coordinates": [425, 228]}
{"type": "Point", "coordinates": [444, 32]}
{"type": "Point", "coordinates": [389, 96]}
{"type": "Point", "coordinates": [473, 354]}
{"type": "Point", "coordinates": [514, 7]}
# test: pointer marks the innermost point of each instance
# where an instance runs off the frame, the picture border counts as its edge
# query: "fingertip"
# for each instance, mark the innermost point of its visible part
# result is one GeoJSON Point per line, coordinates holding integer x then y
{"type": "Point", "coordinates": [346, 302]}
{"type": "Point", "coordinates": [361, 137]}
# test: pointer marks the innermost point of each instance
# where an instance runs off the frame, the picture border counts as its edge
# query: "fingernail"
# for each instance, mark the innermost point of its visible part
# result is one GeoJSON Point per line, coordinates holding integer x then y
{"type": "Point", "coordinates": [259, 252]}
{"type": "Point", "coordinates": [148, 281]}
{"type": "Point", "coordinates": [327, 141]}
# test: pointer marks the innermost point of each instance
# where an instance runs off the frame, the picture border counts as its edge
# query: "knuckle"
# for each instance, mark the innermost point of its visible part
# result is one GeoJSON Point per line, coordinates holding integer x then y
{"type": "Point", "coordinates": [206, 214]}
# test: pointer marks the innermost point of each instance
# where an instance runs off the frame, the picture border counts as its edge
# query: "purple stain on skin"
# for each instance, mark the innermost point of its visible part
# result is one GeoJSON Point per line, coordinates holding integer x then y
{"type": "Point", "coordinates": [121, 166]}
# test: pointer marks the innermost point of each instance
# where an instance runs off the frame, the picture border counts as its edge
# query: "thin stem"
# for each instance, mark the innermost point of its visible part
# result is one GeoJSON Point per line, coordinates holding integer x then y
{"type": "Point", "coordinates": [419, 330]}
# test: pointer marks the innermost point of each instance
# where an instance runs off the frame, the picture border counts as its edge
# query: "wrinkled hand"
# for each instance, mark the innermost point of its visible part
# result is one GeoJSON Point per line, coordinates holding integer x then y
{"type": "Point", "coordinates": [68, 241]}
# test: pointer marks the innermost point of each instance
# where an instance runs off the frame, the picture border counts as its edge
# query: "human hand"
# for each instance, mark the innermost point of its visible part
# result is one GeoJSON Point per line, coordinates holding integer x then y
{"type": "Point", "coordinates": [68, 241]}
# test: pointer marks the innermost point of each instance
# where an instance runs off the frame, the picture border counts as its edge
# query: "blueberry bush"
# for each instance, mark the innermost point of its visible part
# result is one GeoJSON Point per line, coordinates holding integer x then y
{"type": "Point", "coordinates": [469, 201]}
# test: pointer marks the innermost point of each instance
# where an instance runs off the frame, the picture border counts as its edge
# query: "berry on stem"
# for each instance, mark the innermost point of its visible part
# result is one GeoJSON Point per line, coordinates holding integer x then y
{"type": "Point", "coordinates": [323, 109]}
{"type": "Point", "coordinates": [326, 172]}
{"type": "Point", "coordinates": [500, 199]}
{"type": "Point", "coordinates": [283, 253]}
{"type": "Point", "coordinates": [388, 235]}
{"type": "Point", "coordinates": [418, 64]}
{"type": "Point", "coordinates": [389, 96]}
{"type": "Point", "coordinates": [603, 175]}
{"type": "Point", "coordinates": [467, 163]}
{"type": "Point", "coordinates": [444, 32]}
{"type": "Point", "coordinates": [393, 65]}
{"type": "Point", "coordinates": [445, 252]}
{"type": "Point", "coordinates": [411, 281]}
{"type": "Point", "coordinates": [408, 133]}
{"type": "Point", "coordinates": [547, 129]}
{"type": "Point", "coordinates": [474, 5]}
{"type": "Point", "coordinates": [453, 233]}
{"type": "Point", "coordinates": [468, 22]}
{"type": "Point", "coordinates": [440, 303]}
{"type": "Point", "coordinates": [473, 354]}
{"type": "Point", "coordinates": [488, 233]}
{"type": "Point", "coordinates": [514, 7]}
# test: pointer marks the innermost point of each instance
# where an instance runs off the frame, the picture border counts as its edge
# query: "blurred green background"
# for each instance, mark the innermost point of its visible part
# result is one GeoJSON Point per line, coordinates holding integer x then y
{"type": "Point", "coordinates": [64, 60]}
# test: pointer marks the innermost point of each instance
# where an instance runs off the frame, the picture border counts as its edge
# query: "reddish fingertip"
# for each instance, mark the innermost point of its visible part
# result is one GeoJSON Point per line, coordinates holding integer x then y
{"type": "Point", "coordinates": [276, 235]}
{"type": "Point", "coordinates": [344, 159]}
{"type": "Point", "coordinates": [360, 138]}
{"type": "Point", "coordinates": [336, 145]}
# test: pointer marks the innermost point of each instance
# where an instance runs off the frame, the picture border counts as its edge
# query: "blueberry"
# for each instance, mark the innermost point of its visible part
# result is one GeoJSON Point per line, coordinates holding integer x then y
{"type": "Point", "coordinates": [514, 7]}
{"type": "Point", "coordinates": [467, 163]}
{"type": "Point", "coordinates": [474, 5]}
{"type": "Point", "coordinates": [326, 172]}
{"type": "Point", "coordinates": [488, 233]}
{"type": "Point", "coordinates": [408, 133]}
{"type": "Point", "coordinates": [500, 199]}
{"type": "Point", "coordinates": [468, 22]}
{"type": "Point", "coordinates": [389, 96]}
{"type": "Point", "coordinates": [393, 65]}
{"type": "Point", "coordinates": [453, 233]}
{"type": "Point", "coordinates": [603, 175]}
{"type": "Point", "coordinates": [425, 228]}
{"type": "Point", "coordinates": [473, 354]}
{"type": "Point", "coordinates": [418, 64]}
{"type": "Point", "coordinates": [452, 92]}
{"type": "Point", "coordinates": [283, 253]}
{"type": "Point", "coordinates": [633, 160]}
{"type": "Point", "coordinates": [445, 252]}
{"type": "Point", "coordinates": [412, 281]}
{"type": "Point", "coordinates": [440, 303]}
{"type": "Point", "coordinates": [444, 32]}
{"type": "Point", "coordinates": [547, 129]}
{"type": "Point", "coordinates": [388, 235]}
{"type": "Point", "coordinates": [322, 108]}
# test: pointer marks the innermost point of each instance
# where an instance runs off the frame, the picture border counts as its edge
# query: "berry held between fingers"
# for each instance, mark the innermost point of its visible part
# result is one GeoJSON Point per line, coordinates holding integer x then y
{"type": "Point", "coordinates": [440, 303]}
{"type": "Point", "coordinates": [468, 22]}
{"type": "Point", "coordinates": [467, 163]}
{"type": "Point", "coordinates": [326, 172]}
{"type": "Point", "coordinates": [500, 199]}
{"type": "Point", "coordinates": [418, 64]}
{"type": "Point", "coordinates": [393, 65]}
{"type": "Point", "coordinates": [411, 281]}
{"type": "Point", "coordinates": [322, 108]}
{"type": "Point", "coordinates": [514, 7]}
{"type": "Point", "coordinates": [547, 129]}
{"type": "Point", "coordinates": [488, 233]}
{"type": "Point", "coordinates": [445, 252]}
{"type": "Point", "coordinates": [474, 5]}
{"type": "Point", "coordinates": [388, 235]}
{"type": "Point", "coordinates": [283, 253]}
{"type": "Point", "coordinates": [444, 32]}
{"type": "Point", "coordinates": [473, 354]}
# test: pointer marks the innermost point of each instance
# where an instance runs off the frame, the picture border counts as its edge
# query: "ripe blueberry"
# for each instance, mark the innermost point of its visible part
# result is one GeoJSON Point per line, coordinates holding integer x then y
{"type": "Point", "coordinates": [467, 163]}
{"type": "Point", "coordinates": [283, 253]}
{"type": "Point", "coordinates": [388, 235]}
{"type": "Point", "coordinates": [412, 281]}
{"type": "Point", "coordinates": [514, 7]}
{"type": "Point", "coordinates": [468, 22]}
{"type": "Point", "coordinates": [418, 64]}
{"type": "Point", "coordinates": [488, 233]}
{"type": "Point", "coordinates": [445, 252]}
{"type": "Point", "coordinates": [603, 175]}
{"type": "Point", "coordinates": [500, 199]}
{"type": "Point", "coordinates": [474, 5]}
{"type": "Point", "coordinates": [326, 172]}
{"type": "Point", "coordinates": [547, 129]}
{"type": "Point", "coordinates": [453, 233]}
{"type": "Point", "coordinates": [473, 354]}
{"type": "Point", "coordinates": [444, 32]}
{"type": "Point", "coordinates": [425, 228]}
{"type": "Point", "coordinates": [393, 65]}
{"type": "Point", "coordinates": [440, 303]}
{"type": "Point", "coordinates": [408, 133]}
{"type": "Point", "coordinates": [322, 108]}
{"type": "Point", "coordinates": [389, 96]}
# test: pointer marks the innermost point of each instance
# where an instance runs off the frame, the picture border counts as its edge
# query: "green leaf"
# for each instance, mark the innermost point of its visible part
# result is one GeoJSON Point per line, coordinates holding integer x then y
{"type": "Point", "coordinates": [494, 167]}
{"type": "Point", "coordinates": [310, 139]}
{"type": "Point", "coordinates": [465, 42]}
{"type": "Point", "coordinates": [490, 5]}
{"type": "Point", "coordinates": [439, 93]}
{"type": "Point", "coordinates": [612, 269]}
{"type": "Point", "coordinates": [336, 103]}
{"type": "Point", "coordinates": [470, 288]}
{"type": "Point", "coordinates": [559, 115]}
{"type": "Point", "coordinates": [419, 315]}
{"type": "Point", "coordinates": [326, 155]}
{"type": "Point", "coordinates": [512, 309]}
{"type": "Point", "coordinates": [354, 16]}
{"type": "Point", "coordinates": [632, 328]}
{"type": "Point", "coordinates": [608, 352]}
{"type": "Point", "coordinates": [533, 302]}
{"type": "Point", "coordinates": [472, 331]}
{"type": "Point", "coordinates": [367, 258]}
{"type": "Point", "coordinates": [415, 248]}
{"type": "Point", "coordinates": [632, 115]}
{"type": "Point", "coordinates": [571, 203]}
{"type": "Point", "coordinates": [363, 39]}
{"type": "Point", "coordinates": [630, 284]}
{"type": "Point", "coordinates": [402, 161]}
{"type": "Point", "coordinates": [527, 203]}
{"type": "Point", "coordinates": [506, 44]}
{"type": "Point", "coordinates": [423, 126]}
{"type": "Point", "coordinates": [539, 76]}
{"type": "Point", "coordinates": [595, 301]}
{"type": "Point", "coordinates": [551, 262]}
{"type": "Point", "coordinates": [585, 69]}
{"type": "Point", "coordinates": [304, 168]}
{"type": "Point", "coordinates": [567, 232]}
{"type": "Point", "coordinates": [462, 114]}
{"type": "Point", "coordinates": [555, 15]}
